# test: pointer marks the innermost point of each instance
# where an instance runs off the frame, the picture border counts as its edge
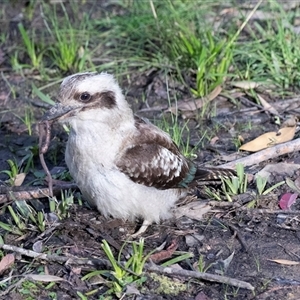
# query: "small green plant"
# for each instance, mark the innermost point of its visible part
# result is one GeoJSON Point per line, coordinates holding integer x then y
{"type": "Point", "coordinates": [29, 289]}
{"type": "Point", "coordinates": [35, 54]}
{"type": "Point", "coordinates": [181, 257]}
{"type": "Point", "coordinates": [13, 172]}
{"type": "Point", "coordinates": [11, 228]}
{"type": "Point", "coordinates": [202, 265]}
{"type": "Point", "coordinates": [18, 171]}
{"type": "Point", "coordinates": [122, 275]}
{"type": "Point", "coordinates": [235, 185]}
{"type": "Point", "coordinates": [279, 61]}
{"type": "Point", "coordinates": [204, 53]}
{"type": "Point", "coordinates": [39, 220]}
{"type": "Point", "coordinates": [61, 208]}
{"type": "Point", "coordinates": [28, 119]}
{"type": "Point", "coordinates": [213, 193]}
{"type": "Point", "coordinates": [19, 226]}
{"type": "Point", "coordinates": [15, 62]}
{"type": "Point", "coordinates": [45, 98]}
{"type": "Point", "coordinates": [261, 183]}
{"type": "Point", "coordinates": [81, 296]}
{"type": "Point", "coordinates": [179, 134]}
{"type": "Point", "coordinates": [230, 186]}
{"type": "Point", "coordinates": [238, 185]}
{"type": "Point", "coordinates": [69, 50]}
{"type": "Point", "coordinates": [257, 263]}
{"type": "Point", "coordinates": [67, 200]}
{"type": "Point", "coordinates": [21, 214]}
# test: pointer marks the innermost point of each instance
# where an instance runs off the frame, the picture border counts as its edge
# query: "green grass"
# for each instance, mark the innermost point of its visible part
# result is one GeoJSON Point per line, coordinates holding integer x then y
{"type": "Point", "coordinates": [122, 275]}
{"type": "Point", "coordinates": [175, 37]}
{"type": "Point", "coordinates": [70, 46]}
{"type": "Point", "coordinates": [33, 49]}
{"type": "Point", "coordinates": [271, 53]}
{"type": "Point", "coordinates": [169, 35]}
{"type": "Point", "coordinates": [180, 134]}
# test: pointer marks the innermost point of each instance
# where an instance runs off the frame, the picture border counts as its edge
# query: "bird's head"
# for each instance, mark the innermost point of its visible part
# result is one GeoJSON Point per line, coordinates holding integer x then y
{"type": "Point", "coordinates": [89, 96]}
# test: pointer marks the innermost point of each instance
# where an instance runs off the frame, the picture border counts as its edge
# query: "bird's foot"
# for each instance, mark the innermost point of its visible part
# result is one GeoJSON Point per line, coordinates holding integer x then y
{"type": "Point", "coordinates": [142, 229]}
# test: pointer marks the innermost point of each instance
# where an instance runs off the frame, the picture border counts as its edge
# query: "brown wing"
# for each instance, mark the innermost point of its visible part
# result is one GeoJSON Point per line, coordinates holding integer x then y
{"type": "Point", "coordinates": [154, 160]}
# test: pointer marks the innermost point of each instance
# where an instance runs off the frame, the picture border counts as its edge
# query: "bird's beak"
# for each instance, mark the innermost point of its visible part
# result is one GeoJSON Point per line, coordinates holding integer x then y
{"type": "Point", "coordinates": [57, 112]}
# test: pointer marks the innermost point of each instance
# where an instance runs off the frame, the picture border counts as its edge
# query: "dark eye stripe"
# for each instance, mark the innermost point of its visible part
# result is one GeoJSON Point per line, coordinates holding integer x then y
{"type": "Point", "coordinates": [105, 99]}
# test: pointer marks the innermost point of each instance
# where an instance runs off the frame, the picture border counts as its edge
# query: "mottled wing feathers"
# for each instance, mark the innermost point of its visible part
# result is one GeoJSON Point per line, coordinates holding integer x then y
{"type": "Point", "coordinates": [154, 165]}
{"type": "Point", "coordinates": [154, 160]}
{"type": "Point", "coordinates": [151, 158]}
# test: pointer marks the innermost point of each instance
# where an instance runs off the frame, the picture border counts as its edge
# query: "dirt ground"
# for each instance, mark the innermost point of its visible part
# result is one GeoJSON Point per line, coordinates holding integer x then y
{"type": "Point", "coordinates": [233, 240]}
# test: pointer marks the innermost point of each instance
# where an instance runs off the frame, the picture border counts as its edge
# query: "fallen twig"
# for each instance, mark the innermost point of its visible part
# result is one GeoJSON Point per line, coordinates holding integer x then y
{"type": "Point", "coordinates": [272, 152]}
{"type": "Point", "coordinates": [239, 206]}
{"type": "Point", "coordinates": [57, 258]}
{"type": "Point", "coordinates": [270, 211]}
{"type": "Point", "coordinates": [236, 231]}
{"type": "Point", "coordinates": [199, 275]}
{"type": "Point", "coordinates": [9, 194]}
{"type": "Point", "coordinates": [150, 267]}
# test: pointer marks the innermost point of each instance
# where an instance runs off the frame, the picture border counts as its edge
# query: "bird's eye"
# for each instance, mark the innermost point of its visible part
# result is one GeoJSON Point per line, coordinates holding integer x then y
{"type": "Point", "coordinates": [85, 97]}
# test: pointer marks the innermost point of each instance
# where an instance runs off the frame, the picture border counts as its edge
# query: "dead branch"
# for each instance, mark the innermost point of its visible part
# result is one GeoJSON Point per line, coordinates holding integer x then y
{"type": "Point", "coordinates": [57, 258]}
{"type": "Point", "coordinates": [258, 157]}
{"type": "Point", "coordinates": [8, 194]}
{"type": "Point", "coordinates": [270, 211]}
{"type": "Point", "coordinates": [150, 267]}
{"type": "Point", "coordinates": [238, 206]}
{"type": "Point", "coordinates": [199, 275]}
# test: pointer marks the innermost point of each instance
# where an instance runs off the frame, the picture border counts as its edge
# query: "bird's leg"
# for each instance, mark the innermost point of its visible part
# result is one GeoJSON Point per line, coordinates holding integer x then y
{"type": "Point", "coordinates": [142, 229]}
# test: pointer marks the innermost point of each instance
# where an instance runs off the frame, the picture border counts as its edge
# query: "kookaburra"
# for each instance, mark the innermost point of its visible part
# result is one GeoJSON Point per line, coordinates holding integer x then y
{"type": "Point", "coordinates": [125, 166]}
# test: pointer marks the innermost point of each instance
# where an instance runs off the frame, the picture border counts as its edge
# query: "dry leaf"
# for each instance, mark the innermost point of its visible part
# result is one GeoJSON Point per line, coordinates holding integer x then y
{"type": "Point", "coordinates": [291, 121]}
{"type": "Point", "coordinates": [270, 139]}
{"type": "Point", "coordinates": [19, 179]}
{"type": "Point", "coordinates": [287, 200]}
{"type": "Point", "coordinates": [194, 210]}
{"type": "Point", "coordinates": [267, 106]}
{"type": "Point", "coordinates": [131, 289]}
{"type": "Point", "coordinates": [44, 278]}
{"type": "Point", "coordinates": [194, 104]}
{"type": "Point", "coordinates": [297, 182]}
{"type": "Point", "coordinates": [214, 93]}
{"type": "Point", "coordinates": [6, 262]}
{"type": "Point", "coordinates": [165, 254]}
{"type": "Point", "coordinates": [285, 262]}
{"type": "Point", "coordinates": [213, 140]}
{"type": "Point", "coordinates": [246, 85]}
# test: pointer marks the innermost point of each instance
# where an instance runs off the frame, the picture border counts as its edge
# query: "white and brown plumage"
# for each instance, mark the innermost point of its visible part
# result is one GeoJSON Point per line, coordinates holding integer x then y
{"type": "Point", "coordinates": [123, 165]}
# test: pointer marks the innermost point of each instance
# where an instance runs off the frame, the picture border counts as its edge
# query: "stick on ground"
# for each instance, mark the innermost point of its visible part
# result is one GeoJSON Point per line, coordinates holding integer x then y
{"type": "Point", "coordinates": [272, 152]}
{"type": "Point", "coordinates": [150, 267]}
